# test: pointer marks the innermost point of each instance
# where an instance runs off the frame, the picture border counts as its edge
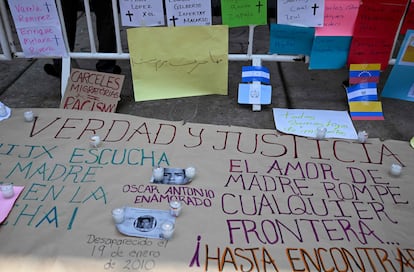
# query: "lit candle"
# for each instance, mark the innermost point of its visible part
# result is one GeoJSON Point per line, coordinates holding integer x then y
{"type": "Point", "coordinates": [3, 110]}
{"type": "Point", "coordinates": [320, 133]}
{"type": "Point", "coordinates": [395, 170]}
{"type": "Point", "coordinates": [118, 215]}
{"type": "Point", "coordinates": [167, 229]}
{"type": "Point", "coordinates": [362, 136]}
{"type": "Point", "coordinates": [95, 140]}
{"type": "Point", "coordinates": [28, 116]}
{"type": "Point", "coordinates": [175, 207]}
{"type": "Point", "coordinates": [190, 172]}
{"type": "Point", "coordinates": [7, 190]}
{"type": "Point", "coordinates": [158, 173]}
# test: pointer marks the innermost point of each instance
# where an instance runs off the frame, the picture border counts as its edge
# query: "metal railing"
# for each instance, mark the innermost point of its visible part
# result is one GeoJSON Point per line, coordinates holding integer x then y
{"type": "Point", "coordinates": [10, 50]}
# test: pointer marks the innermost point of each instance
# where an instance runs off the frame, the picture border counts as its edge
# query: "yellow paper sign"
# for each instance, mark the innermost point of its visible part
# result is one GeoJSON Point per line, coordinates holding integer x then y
{"type": "Point", "coordinates": [171, 62]}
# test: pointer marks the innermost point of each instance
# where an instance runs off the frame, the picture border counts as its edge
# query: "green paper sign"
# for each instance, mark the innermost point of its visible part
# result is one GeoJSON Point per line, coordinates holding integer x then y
{"type": "Point", "coordinates": [244, 12]}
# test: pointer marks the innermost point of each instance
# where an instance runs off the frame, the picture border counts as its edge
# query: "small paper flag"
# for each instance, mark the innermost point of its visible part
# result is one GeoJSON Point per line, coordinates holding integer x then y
{"type": "Point", "coordinates": [366, 110]}
{"type": "Point", "coordinates": [362, 92]}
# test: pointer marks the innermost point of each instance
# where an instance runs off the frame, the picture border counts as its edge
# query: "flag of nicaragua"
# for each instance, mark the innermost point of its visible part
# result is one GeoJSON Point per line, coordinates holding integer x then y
{"type": "Point", "coordinates": [362, 92]}
{"type": "Point", "coordinates": [255, 73]}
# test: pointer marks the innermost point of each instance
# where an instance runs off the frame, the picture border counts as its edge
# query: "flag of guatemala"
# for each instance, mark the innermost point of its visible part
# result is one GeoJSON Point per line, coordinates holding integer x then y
{"type": "Point", "coordinates": [255, 73]}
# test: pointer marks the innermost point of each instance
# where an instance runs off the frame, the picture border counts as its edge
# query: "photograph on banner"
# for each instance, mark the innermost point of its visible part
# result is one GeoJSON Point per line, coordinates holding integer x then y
{"type": "Point", "coordinates": [339, 18]}
{"type": "Point", "coordinates": [305, 122]}
{"type": "Point", "coordinates": [301, 13]}
{"type": "Point", "coordinates": [329, 52]}
{"type": "Point", "coordinates": [188, 13]}
{"type": "Point", "coordinates": [400, 82]}
{"type": "Point", "coordinates": [38, 28]}
{"type": "Point", "coordinates": [142, 13]}
{"type": "Point", "coordinates": [244, 12]}
{"type": "Point", "coordinates": [288, 39]}
{"type": "Point", "coordinates": [178, 61]}
{"type": "Point", "coordinates": [92, 91]}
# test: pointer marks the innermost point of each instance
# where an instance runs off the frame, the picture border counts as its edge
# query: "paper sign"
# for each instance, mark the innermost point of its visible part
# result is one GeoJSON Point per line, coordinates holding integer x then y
{"type": "Point", "coordinates": [329, 52]}
{"type": "Point", "coordinates": [178, 61]}
{"type": "Point", "coordinates": [400, 82]}
{"type": "Point", "coordinates": [366, 110]}
{"type": "Point", "coordinates": [375, 28]}
{"type": "Point", "coordinates": [38, 28]}
{"type": "Point", "coordinates": [286, 39]}
{"type": "Point", "coordinates": [92, 91]}
{"type": "Point", "coordinates": [339, 18]}
{"type": "Point", "coordinates": [305, 122]}
{"type": "Point", "coordinates": [6, 204]}
{"type": "Point", "coordinates": [301, 12]}
{"type": "Point", "coordinates": [255, 94]}
{"type": "Point", "coordinates": [142, 13]}
{"type": "Point", "coordinates": [188, 12]}
{"type": "Point", "coordinates": [244, 12]}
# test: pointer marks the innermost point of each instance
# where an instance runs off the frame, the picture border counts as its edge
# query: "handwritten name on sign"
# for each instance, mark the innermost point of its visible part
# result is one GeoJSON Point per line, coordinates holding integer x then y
{"type": "Point", "coordinates": [301, 12]}
{"type": "Point", "coordinates": [38, 27]}
{"type": "Point", "coordinates": [142, 13]}
{"type": "Point", "coordinates": [244, 12]}
{"type": "Point", "coordinates": [93, 91]}
{"type": "Point", "coordinates": [260, 201]}
{"type": "Point", "coordinates": [188, 12]}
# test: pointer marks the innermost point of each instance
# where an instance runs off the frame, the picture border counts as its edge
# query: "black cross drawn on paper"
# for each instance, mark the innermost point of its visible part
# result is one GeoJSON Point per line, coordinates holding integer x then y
{"type": "Point", "coordinates": [129, 14]}
{"type": "Point", "coordinates": [259, 4]}
{"type": "Point", "coordinates": [173, 19]}
{"type": "Point", "coordinates": [314, 8]}
{"type": "Point", "coordinates": [47, 6]}
{"type": "Point", "coordinates": [56, 39]}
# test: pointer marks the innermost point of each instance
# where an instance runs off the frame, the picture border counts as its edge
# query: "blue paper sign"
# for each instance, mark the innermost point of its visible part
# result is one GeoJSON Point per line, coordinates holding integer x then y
{"type": "Point", "coordinates": [288, 39]}
{"type": "Point", "coordinates": [329, 52]}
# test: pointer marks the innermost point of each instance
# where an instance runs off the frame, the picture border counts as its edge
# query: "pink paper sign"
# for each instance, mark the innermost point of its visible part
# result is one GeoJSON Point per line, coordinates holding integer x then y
{"type": "Point", "coordinates": [6, 204]}
{"type": "Point", "coordinates": [339, 18]}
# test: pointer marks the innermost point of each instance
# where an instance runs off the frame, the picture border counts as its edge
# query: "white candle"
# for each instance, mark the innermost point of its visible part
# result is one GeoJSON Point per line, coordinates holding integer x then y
{"type": "Point", "coordinates": [175, 208]}
{"type": "Point", "coordinates": [158, 173]}
{"type": "Point", "coordinates": [118, 215]}
{"type": "Point", "coordinates": [3, 110]}
{"type": "Point", "coordinates": [362, 136]}
{"type": "Point", "coordinates": [320, 133]}
{"type": "Point", "coordinates": [190, 172]}
{"type": "Point", "coordinates": [7, 190]}
{"type": "Point", "coordinates": [28, 116]}
{"type": "Point", "coordinates": [167, 230]}
{"type": "Point", "coordinates": [395, 170]}
{"type": "Point", "coordinates": [95, 140]}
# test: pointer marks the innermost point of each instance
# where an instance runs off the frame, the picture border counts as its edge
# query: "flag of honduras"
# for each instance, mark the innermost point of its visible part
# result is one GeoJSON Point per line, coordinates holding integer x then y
{"type": "Point", "coordinates": [255, 73]}
{"type": "Point", "coordinates": [362, 92]}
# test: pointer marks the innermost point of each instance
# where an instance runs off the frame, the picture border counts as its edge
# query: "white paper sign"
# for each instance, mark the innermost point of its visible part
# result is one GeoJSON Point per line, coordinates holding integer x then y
{"type": "Point", "coordinates": [142, 13]}
{"type": "Point", "coordinates": [38, 28]}
{"type": "Point", "coordinates": [188, 12]}
{"type": "Point", "coordinates": [304, 122]}
{"type": "Point", "coordinates": [301, 12]}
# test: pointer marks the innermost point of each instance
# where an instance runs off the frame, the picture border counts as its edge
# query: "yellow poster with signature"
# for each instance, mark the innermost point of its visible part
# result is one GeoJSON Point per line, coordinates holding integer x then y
{"type": "Point", "coordinates": [171, 62]}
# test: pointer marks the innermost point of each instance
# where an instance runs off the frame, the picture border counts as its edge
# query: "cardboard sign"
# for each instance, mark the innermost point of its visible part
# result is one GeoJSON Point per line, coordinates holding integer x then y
{"type": "Point", "coordinates": [244, 12]}
{"type": "Point", "coordinates": [92, 91]}
{"type": "Point", "coordinates": [188, 13]}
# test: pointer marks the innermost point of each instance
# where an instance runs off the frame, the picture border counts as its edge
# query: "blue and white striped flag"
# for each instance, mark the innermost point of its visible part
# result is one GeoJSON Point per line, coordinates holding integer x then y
{"type": "Point", "coordinates": [255, 73]}
{"type": "Point", "coordinates": [362, 92]}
